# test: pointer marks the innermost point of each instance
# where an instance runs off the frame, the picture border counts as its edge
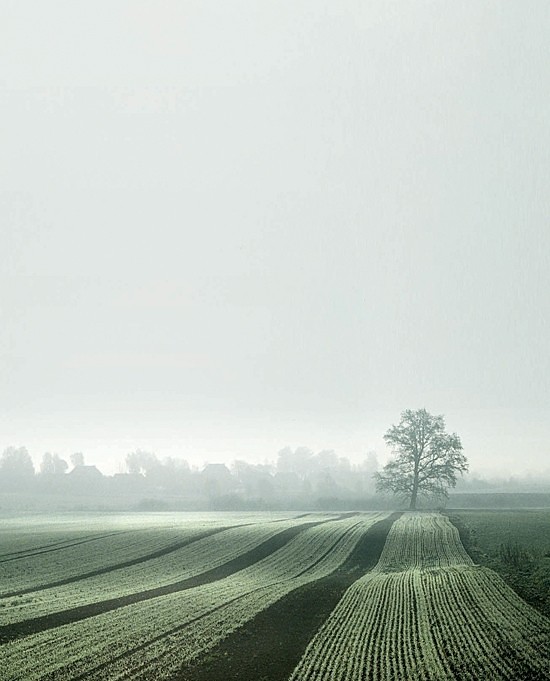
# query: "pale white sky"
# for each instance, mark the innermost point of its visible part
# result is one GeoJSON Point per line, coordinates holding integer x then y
{"type": "Point", "coordinates": [231, 225]}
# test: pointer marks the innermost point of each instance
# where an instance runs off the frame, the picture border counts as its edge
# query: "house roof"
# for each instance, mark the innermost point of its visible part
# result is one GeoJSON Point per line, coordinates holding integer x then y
{"type": "Point", "coordinates": [86, 471]}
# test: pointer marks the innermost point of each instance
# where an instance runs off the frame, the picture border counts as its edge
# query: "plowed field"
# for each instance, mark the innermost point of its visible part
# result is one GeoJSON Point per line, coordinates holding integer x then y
{"type": "Point", "coordinates": [316, 597]}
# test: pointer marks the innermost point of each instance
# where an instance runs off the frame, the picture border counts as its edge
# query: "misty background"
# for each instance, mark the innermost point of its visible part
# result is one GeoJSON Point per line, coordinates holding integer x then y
{"type": "Point", "coordinates": [231, 227]}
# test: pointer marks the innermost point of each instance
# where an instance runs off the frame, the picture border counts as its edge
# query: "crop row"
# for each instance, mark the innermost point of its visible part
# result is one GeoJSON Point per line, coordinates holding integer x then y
{"type": "Point", "coordinates": [32, 533]}
{"type": "Point", "coordinates": [154, 638]}
{"type": "Point", "coordinates": [199, 556]}
{"type": "Point", "coordinates": [422, 540]}
{"type": "Point", "coordinates": [455, 621]}
{"type": "Point", "coordinates": [79, 558]}
{"type": "Point", "coordinates": [23, 536]}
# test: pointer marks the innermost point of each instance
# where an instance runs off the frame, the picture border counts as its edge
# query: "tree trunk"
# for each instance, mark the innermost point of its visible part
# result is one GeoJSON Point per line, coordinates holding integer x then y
{"type": "Point", "coordinates": [414, 493]}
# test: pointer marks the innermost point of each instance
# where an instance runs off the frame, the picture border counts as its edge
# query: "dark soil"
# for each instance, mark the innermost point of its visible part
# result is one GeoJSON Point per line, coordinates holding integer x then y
{"type": "Point", "coordinates": [54, 546]}
{"type": "Point", "coordinates": [116, 566]}
{"type": "Point", "coordinates": [268, 647]}
{"type": "Point", "coordinates": [32, 626]}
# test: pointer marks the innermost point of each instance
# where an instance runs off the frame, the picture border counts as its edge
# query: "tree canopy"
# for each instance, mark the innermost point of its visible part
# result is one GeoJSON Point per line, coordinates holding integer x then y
{"type": "Point", "coordinates": [52, 464]}
{"type": "Point", "coordinates": [426, 458]}
{"type": "Point", "coordinates": [16, 467]}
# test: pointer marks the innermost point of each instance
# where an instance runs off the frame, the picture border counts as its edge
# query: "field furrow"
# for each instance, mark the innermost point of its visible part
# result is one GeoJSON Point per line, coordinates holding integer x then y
{"type": "Point", "coordinates": [200, 560]}
{"type": "Point", "coordinates": [54, 546]}
{"type": "Point", "coordinates": [154, 638]}
{"type": "Point", "coordinates": [191, 536]}
{"type": "Point", "coordinates": [270, 644]}
{"type": "Point", "coordinates": [71, 563]}
{"type": "Point", "coordinates": [82, 546]}
{"type": "Point", "coordinates": [426, 612]}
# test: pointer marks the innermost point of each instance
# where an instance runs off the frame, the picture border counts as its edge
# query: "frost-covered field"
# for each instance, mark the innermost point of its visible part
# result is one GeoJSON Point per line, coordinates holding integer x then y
{"type": "Point", "coordinates": [192, 596]}
{"type": "Point", "coordinates": [426, 612]}
{"type": "Point", "coordinates": [153, 558]}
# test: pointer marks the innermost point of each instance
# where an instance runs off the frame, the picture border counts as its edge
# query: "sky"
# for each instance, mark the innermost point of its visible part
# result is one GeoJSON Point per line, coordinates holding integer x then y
{"type": "Point", "coordinates": [228, 227]}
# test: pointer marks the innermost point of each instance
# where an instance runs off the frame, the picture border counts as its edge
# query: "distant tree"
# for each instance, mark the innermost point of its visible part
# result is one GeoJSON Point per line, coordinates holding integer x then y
{"type": "Point", "coordinates": [370, 464]}
{"type": "Point", "coordinates": [59, 464]}
{"type": "Point", "coordinates": [426, 458]}
{"type": "Point", "coordinates": [299, 461]}
{"type": "Point", "coordinates": [77, 459]}
{"type": "Point", "coordinates": [141, 462]}
{"type": "Point", "coordinates": [16, 467]}
{"type": "Point", "coordinates": [327, 459]}
{"type": "Point", "coordinates": [52, 464]}
{"type": "Point", "coordinates": [217, 480]}
{"type": "Point", "coordinates": [255, 480]}
{"type": "Point", "coordinates": [46, 465]}
{"type": "Point", "coordinates": [170, 474]}
{"type": "Point", "coordinates": [364, 481]}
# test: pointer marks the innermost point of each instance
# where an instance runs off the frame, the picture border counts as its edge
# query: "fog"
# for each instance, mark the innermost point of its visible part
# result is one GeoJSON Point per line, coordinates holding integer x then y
{"type": "Point", "coordinates": [231, 227]}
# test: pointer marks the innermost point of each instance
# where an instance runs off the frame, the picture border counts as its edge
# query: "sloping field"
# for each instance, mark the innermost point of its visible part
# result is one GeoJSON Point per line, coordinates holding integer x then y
{"type": "Point", "coordinates": [352, 597]}
{"type": "Point", "coordinates": [426, 612]}
{"type": "Point", "coordinates": [269, 646]}
{"type": "Point", "coordinates": [515, 544]}
{"type": "Point", "coordinates": [192, 552]}
{"type": "Point", "coordinates": [62, 551]}
{"type": "Point", "coordinates": [36, 533]}
{"type": "Point", "coordinates": [152, 638]}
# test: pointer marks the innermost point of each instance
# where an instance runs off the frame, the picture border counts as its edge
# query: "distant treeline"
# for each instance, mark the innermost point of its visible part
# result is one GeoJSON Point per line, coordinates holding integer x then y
{"type": "Point", "coordinates": [300, 478]}
{"type": "Point", "coordinates": [499, 500]}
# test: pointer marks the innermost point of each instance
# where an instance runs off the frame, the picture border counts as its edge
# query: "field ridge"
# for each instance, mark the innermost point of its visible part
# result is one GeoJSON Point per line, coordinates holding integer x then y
{"type": "Point", "coordinates": [54, 546]}
{"type": "Point", "coordinates": [203, 615]}
{"type": "Point", "coordinates": [427, 613]}
{"type": "Point", "coordinates": [159, 553]}
{"type": "Point", "coordinates": [35, 625]}
{"type": "Point", "coordinates": [269, 646]}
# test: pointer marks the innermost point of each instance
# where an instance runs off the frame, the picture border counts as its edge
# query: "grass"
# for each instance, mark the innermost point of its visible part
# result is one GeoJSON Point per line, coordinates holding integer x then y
{"type": "Point", "coordinates": [515, 544]}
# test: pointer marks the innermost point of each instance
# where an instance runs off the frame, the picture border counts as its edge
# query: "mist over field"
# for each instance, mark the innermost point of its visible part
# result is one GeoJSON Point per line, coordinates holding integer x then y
{"type": "Point", "coordinates": [274, 333]}
{"type": "Point", "coordinates": [231, 228]}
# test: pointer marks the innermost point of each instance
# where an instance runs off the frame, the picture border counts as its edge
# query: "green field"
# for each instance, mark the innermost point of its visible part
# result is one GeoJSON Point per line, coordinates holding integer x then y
{"type": "Point", "coordinates": [283, 596]}
{"type": "Point", "coordinates": [516, 544]}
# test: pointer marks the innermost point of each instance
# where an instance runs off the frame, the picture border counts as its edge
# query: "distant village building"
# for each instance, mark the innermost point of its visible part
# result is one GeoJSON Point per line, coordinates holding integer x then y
{"type": "Point", "coordinates": [85, 477]}
{"type": "Point", "coordinates": [127, 482]}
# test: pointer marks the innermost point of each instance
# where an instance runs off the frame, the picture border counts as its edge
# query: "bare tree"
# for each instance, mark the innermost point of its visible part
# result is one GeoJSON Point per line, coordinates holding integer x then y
{"type": "Point", "coordinates": [426, 458]}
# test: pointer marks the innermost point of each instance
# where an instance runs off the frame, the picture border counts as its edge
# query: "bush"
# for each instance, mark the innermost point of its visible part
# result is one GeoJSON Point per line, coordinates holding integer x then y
{"type": "Point", "coordinates": [152, 505]}
{"type": "Point", "coordinates": [514, 554]}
